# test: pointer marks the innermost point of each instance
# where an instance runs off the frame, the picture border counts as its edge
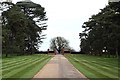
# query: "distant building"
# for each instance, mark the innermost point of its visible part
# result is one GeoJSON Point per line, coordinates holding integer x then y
{"type": "Point", "coordinates": [114, 0]}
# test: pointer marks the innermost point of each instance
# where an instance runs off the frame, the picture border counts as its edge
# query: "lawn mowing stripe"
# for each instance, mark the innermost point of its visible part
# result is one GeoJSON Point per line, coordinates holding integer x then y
{"type": "Point", "coordinates": [82, 69]}
{"type": "Point", "coordinates": [36, 68]}
{"type": "Point", "coordinates": [17, 59]}
{"type": "Point", "coordinates": [95, 57]}
{"type": "Point", "coordinates": [107, 69]}
{"type": "Point", "coordinates": [103, 64]}
{"type": "Point", "coordinates": [90, 70]}
{"type": "Point", "coordinates": [109, 63]}
{"type": "Point", "coordinates": [106, 65]}
{"type": "Point", "coordinates": [5, 60]}
{"type": "Point", "coordinates": [17, 63]}
{"type": "Point", "coordinates": [15, 71]}
{"type": "Point", "coordinates": [98, 61]}
{"type": "Point", "coordinates": [99, 70]}
{"type": "Point", "coordinates": [81, 59]}
{"type": "Point", "coordinates": [29, 70]}
{"type": "Point", "coordinates": [25, 61]}
{"type": "Point", "coordinates": [17, 66]}
{"type": "Point", "coordinates": [13, 61]}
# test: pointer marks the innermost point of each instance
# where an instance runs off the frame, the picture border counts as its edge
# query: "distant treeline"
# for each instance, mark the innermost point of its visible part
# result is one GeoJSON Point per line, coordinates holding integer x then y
{"type": "Point", "coordinates": [66, 52]}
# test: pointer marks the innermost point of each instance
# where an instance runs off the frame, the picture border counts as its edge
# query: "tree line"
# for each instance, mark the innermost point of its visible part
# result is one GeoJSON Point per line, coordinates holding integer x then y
{"type": "Point", "coordinates": [22, 26]}
{"type": "Point", "coordinates": [101, 35]}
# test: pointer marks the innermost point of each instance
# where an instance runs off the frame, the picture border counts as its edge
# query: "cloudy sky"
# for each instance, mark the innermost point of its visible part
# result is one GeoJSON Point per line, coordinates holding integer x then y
{"type": "Point", "coordinates": [65, 18]}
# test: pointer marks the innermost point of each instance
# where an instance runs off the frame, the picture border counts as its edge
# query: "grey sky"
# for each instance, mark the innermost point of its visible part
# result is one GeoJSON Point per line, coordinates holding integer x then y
{"type": "Point", "coordinates": [65, 18]}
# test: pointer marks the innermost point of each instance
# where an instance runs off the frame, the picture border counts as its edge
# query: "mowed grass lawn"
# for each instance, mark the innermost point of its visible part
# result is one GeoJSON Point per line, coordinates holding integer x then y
{"type": "Point", "coordinates": [95, 67]}
{"type": "Point", "coordinates": [23, 66]}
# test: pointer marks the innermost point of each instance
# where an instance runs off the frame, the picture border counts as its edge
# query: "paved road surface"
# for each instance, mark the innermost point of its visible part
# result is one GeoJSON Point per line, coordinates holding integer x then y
{"type": "Point", "coordinates": [59, 67]}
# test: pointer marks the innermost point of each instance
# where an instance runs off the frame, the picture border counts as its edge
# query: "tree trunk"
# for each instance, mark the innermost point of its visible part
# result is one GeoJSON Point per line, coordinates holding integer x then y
{"type": "Point", "coordinates": [59, 50]}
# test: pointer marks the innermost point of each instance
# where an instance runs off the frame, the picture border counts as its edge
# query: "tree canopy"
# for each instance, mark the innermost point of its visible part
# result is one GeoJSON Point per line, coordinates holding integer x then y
{"type": "Point", "coordinates": [101, 33]}
{"type": "Point", "coordinates": [58, 43]}
{"type": "Point", "coordinates": [22, 26]}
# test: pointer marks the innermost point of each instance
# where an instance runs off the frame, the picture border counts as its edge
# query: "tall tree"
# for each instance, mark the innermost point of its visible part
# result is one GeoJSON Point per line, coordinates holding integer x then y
{"type": "Point", "coordinates": [37, 23]}
{"type": "Point", "coordinates": [102, 32]}
{"type": "Point", "coordinates": [58, 43]}
{"type": "Point", "coordinates": [22, 30]}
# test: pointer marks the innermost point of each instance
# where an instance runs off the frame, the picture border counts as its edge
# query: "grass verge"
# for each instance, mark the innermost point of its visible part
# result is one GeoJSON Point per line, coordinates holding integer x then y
{"type": "Point", "coordinates": [20, 67]}
{"type": "Point", "coordinates": [95, 67]}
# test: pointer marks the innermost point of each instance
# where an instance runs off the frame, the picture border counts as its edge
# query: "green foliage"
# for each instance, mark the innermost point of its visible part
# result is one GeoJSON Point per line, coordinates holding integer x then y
{"type": "Point", "coordinates": [102, 32]}
{"type": "Point", "coordinates": [58, 43]}
{"type": "Point", "coordinates": [22, 26]}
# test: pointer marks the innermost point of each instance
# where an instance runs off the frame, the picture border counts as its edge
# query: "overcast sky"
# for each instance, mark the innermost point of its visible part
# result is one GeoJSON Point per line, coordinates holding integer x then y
{"type": "Point", "coordinates": [65, 18]}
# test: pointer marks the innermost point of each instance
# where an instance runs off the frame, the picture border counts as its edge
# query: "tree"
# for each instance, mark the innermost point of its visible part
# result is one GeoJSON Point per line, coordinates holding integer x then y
{"type": "Point", "coordinates": [58, 43]}
{"type": "Point", "coordinates": [22, 28]}
{"type": "Point", "coordinates": [102, 32]}
{"type": "Point", "coordinates": [36, 24]}
{"type": "Point", "coordinates": [14, 25]}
